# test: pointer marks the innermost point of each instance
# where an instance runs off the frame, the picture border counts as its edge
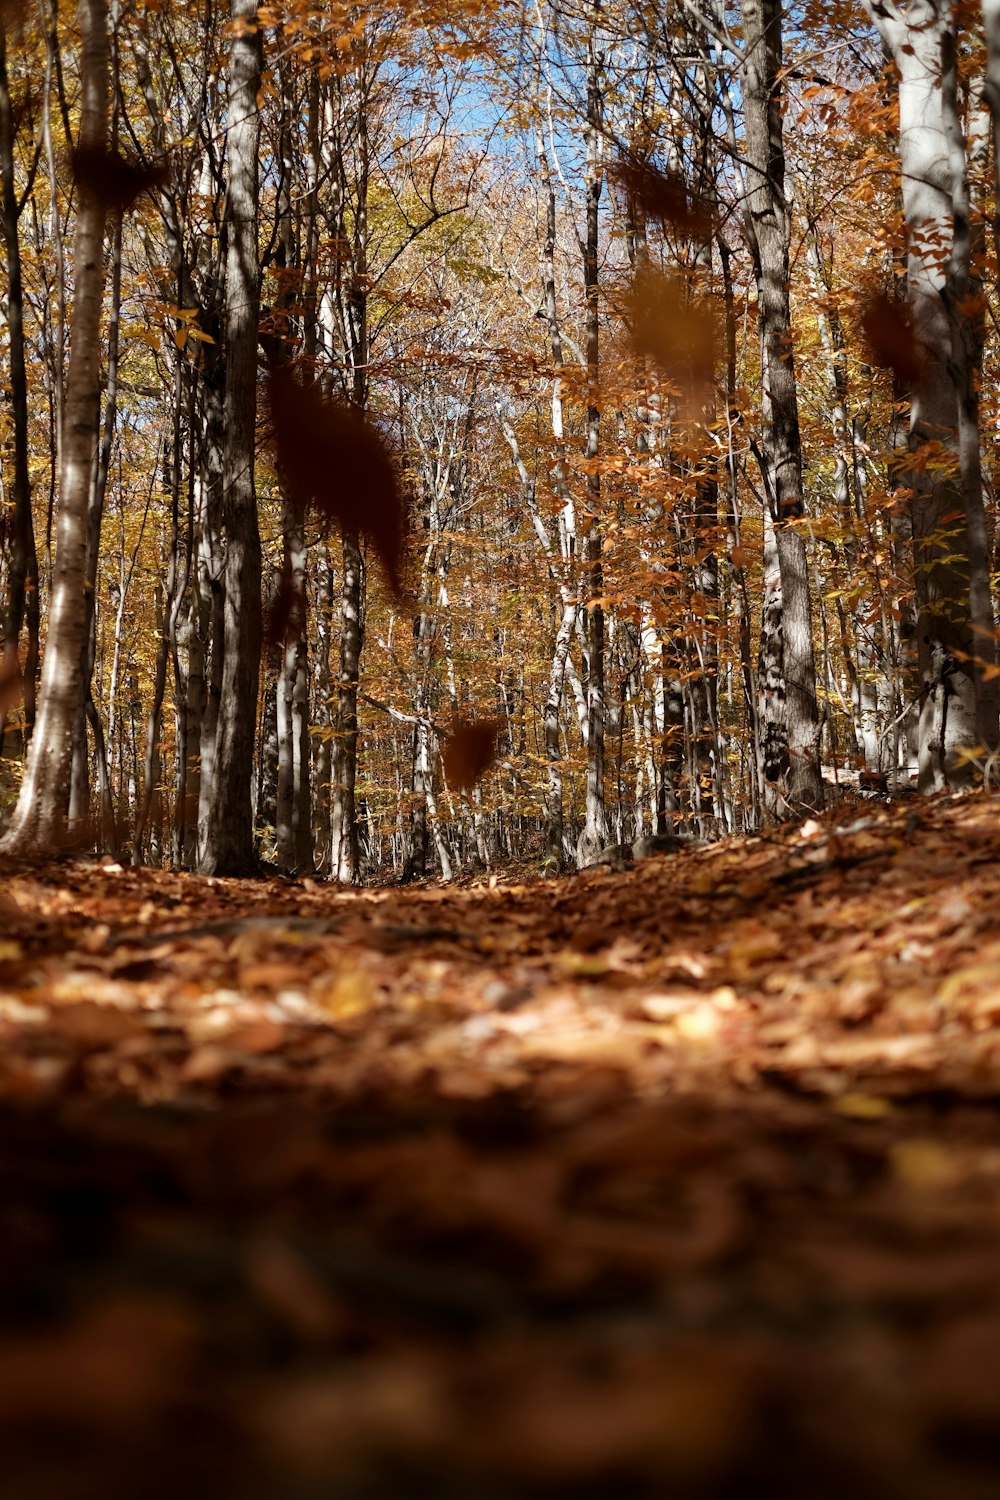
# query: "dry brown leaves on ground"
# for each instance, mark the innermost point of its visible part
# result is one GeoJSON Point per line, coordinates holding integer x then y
{"type": "Point", "coordinates": [673, 1182]}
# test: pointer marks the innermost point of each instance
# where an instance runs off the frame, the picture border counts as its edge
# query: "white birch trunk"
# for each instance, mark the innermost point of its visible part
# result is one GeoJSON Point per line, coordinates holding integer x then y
{"type": "Point", "coordinates": [40, 818]}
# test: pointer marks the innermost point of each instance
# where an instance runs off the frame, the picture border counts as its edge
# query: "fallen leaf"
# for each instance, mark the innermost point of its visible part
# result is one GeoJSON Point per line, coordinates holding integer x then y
{"type": "Point", "coordinates": [858, 1106]}
{"type": "Point", "coordinates": [700, 1025]}
{"type": "Point", "coordinates": [924, 1164]}
{"type": "Point", "coordinates": [91, 1024]}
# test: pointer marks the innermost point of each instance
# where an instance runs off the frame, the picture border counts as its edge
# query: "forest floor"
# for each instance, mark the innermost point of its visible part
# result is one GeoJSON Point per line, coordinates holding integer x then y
{"type": "Point", "coordinates": [660, 1183]}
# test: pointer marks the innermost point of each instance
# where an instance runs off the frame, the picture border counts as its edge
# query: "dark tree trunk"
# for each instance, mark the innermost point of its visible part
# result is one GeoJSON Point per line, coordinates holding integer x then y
{"type": "Point", "coordinates": [229, 846]}
{"type": "Point", "coordinates": [22, 576]}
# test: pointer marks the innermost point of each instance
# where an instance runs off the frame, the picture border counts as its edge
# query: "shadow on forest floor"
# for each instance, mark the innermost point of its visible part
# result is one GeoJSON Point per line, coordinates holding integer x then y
{"type": "Point", "coordinates": [666, 1182]}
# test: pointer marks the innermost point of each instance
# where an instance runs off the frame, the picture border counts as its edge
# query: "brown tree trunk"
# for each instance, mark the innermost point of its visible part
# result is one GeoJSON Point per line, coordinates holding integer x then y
{"type": "Point", "coordinates": [344, 864]}
{"type": "Point", "coordinates": [21, 602]}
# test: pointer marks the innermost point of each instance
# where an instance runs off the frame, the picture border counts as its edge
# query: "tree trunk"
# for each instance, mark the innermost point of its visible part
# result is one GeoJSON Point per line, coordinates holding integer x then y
{"type": "Point", "coordinates": [22, 577]}
{"type": "Point", "coordinates": [293, 831]}
{"type": "Point", "coordinates": [950, 554]}
{"type": "Point", "coordinates": [344, 757]}
{"type": "Point", "coordinates": [40, 818]}
{"type": "Point", "coordinates": [595, 835]}
{"type": "Point", "coordinates": [229, 848]}
{"type": "Point", "coordinates": [344, 743]}
{"type": "Point", "coordinates": [767, 209]}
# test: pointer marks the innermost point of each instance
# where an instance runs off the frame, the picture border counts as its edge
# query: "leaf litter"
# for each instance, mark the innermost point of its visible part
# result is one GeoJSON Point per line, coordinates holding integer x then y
{"type": "Point", "coordinates": [680, 1180]}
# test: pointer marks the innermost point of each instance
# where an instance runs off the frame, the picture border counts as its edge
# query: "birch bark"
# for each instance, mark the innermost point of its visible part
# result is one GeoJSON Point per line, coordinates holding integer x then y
{"type": "Point", "coordinates": [40, 817]}
{"type": "Point", "coordinates": [955, 624]}
{"type": "Point", "coordinates": [767, 209]}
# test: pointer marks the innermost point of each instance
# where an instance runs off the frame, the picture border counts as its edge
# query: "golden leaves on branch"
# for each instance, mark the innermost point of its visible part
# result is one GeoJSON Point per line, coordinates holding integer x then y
{"type": "Point", "coordinates": [334, 462]}
{"type": "Point", "coordinates": [114, 180]}
{"type": "Point", "coordinates": [677, 330]}
{"type": "Point", "coordinates": [888, 332]}
{"type": "Point", "coordinates": [469, 751]}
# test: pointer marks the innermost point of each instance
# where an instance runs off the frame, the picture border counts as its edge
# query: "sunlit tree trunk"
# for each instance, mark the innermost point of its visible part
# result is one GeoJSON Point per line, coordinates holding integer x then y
{"type": "Point", "coordinates": [955, 624]}
{"type": "Point", "coordinates": [563, 559]}
{"type": "Point", "coordinates": [40, 818]}
{"type": "Point", "coordinates": [767, 207]}
{"type": "Point", "coordinates": [152, 767]}
{"type": "Point", "coordinates": [595, 834]}
{"type": "Point", "coordinates": [321, 771]}
{"type": "Point", "coordinates": [79, 804]}
{"type": "Point", "coordinates": [293, 825]}
{"type": "Point", "coordinates": [208, 586]}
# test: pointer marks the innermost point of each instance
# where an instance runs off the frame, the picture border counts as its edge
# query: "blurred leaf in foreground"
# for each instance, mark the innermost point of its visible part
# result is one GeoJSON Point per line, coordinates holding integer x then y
{"type": "Point", "coordinates": [664, 196]}
{"type": "Point", "coordinates": [332, 460]}
{"type": "Point", "coordinates": [678, 332]}
{"type": "Point", "coordinates": [469, 751]}
{"type": "Point", "coordinates": [889, 337]}
{"type": "Point", "coordinates": [11, 683]}
{"type": "Point", "coordinates": [113, 179]}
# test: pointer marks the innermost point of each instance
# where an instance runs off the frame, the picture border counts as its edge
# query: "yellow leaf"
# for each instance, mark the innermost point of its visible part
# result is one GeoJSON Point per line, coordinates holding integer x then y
{"type": "Point", "coordinates": [700, 1025]}
{"type": "Point", "coordinates": [857, 1106]}
{"type": "Point", "coordinates": [678, 332]}
{"type": "Point", "coordinates": [925, 1164]}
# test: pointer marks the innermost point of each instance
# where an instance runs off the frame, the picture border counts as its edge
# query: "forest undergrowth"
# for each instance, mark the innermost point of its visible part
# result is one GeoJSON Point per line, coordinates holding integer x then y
{"type": "Point", "coordinates": [659, 1182]}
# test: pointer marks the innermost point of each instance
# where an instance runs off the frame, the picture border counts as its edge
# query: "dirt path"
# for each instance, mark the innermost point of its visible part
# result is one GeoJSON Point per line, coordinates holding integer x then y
{"type": "Point", "coordinates": [657, 1183]}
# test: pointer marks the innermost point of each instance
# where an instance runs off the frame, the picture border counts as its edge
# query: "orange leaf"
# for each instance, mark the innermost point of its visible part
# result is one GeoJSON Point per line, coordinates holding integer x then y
{"type": "Point", "coordinates": [13, 14]}
{"type": "Point", "coordinates": [332, 460]}
{"type": "Point", "coordinates": [678, 332]}
{"type": "Point", "coordinates": [664, 196]}
{"type": "Point", "coordinates": [469, 751]}
{"type": "Point", "coordinates": [11, 683]}
{"type": "Point", "coordinates": [889, 336]}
